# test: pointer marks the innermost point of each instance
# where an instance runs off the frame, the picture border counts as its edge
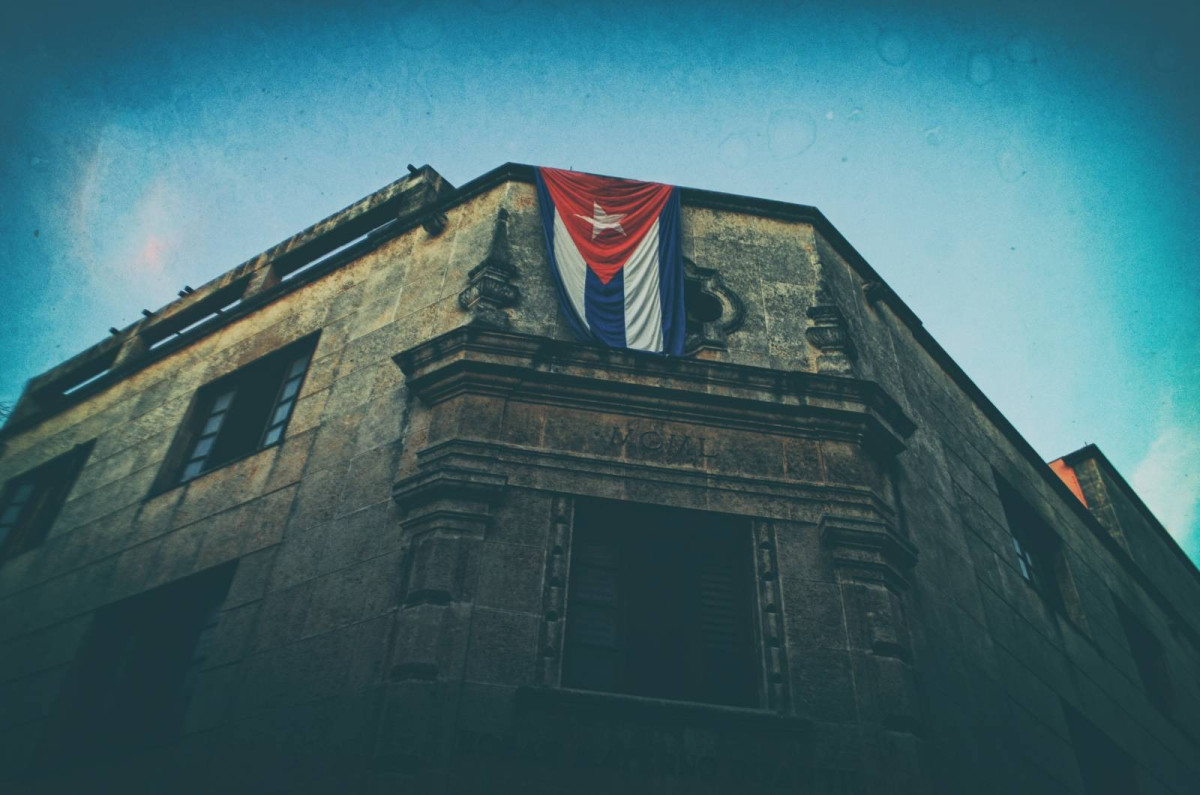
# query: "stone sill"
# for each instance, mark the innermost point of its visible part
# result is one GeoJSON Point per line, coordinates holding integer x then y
{"type": "Point", "coordinates": [163, 484]}
{"type": "Point", "coordinates": [640, 708]}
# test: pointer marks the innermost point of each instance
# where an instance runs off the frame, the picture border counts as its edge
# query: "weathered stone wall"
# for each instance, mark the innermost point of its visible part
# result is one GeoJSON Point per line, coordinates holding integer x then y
{"type": "Point", "coordinates": [380, 641]}
{"type": "Point", "coordinates": [310, 520]}
{"type": "Point", "coordinates": [995, 662]}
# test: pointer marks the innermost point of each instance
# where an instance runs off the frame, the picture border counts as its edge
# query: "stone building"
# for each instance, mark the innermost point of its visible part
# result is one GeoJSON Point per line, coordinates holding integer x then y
{"type": "Point", "coordinates": [361, 516]}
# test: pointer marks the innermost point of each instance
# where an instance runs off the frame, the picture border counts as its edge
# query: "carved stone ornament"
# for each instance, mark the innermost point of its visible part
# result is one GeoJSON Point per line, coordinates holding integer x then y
{"type": "Point", "coordinates": [489, 284]}
{"type": "Point", "coordinates": [435, 224]}
{"type": "Point", "coordinates": [713, 310]}
{"type": "Point", "coordinates": [830, 335]}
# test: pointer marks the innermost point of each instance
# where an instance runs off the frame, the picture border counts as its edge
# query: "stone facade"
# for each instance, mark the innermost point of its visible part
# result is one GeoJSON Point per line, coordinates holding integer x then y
{"type": "Point", "coordinates": [394, 579]}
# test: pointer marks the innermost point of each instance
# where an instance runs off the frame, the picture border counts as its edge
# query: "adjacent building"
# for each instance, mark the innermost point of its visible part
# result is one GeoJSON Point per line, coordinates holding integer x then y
{"type": "Point", "coordinates": [361, 515]}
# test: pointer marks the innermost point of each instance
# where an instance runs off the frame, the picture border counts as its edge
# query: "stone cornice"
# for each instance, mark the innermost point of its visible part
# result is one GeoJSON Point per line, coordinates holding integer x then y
{"type": "Point", "coordinates": [869, 547]}
{"type": "Point", "coordinates": [537, 467]}
{"type": "Point", "coordinates": [472, 360]}
{"type": "Point", "coordinates": [461, 483]}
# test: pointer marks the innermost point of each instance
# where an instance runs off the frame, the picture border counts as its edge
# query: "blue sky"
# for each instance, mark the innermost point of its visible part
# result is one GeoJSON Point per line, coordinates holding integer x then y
{"type": "Point", "coordinates": [1026, 175]}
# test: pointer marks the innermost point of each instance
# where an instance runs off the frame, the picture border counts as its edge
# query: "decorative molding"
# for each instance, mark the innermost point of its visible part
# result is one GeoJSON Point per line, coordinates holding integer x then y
{"type": "Point", "coordinates": [598, 476]}
{"type": "Point", "coordinates": [868, 550]}
{"type": "Point", "coordinates": [490, 287]}
{"type": "Point", "coordinates": [454, 482]}
{"type": "Point", "coordinates": [830, 335]}
{"type": "Point", "coordinates": [554, 591]}
{"type": "Point", "coordinates": [771, 621]}
{"type": "Point", "coordinates": [473, 360]}
{"type": "Point", "coordinates": [705, 328]}
{"type": "Point", "coordinates": [448, 498]}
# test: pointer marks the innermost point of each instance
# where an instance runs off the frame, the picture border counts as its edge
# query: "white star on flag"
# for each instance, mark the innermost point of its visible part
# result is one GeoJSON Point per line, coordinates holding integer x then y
{"type": "Point", "coordinates": [603, 221]}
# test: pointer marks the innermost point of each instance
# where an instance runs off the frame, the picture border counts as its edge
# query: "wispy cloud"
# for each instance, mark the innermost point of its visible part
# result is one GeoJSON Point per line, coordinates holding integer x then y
{"type": "Point", "coordinates": [155, 231]}
{"type": "Point", "coordinates": [128, 222]}
{"type": "Point", "coordinates": [1167, 479]}
{"type": "Point", "coordinates": [152, 255]}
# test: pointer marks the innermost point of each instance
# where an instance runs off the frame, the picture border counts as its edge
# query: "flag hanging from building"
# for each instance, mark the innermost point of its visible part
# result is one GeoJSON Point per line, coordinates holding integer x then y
{"type": "Point", "coordinates": [616, 254]}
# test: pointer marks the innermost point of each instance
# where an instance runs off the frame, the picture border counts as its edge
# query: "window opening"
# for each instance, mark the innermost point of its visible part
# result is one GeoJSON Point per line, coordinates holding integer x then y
{"type": "Point", "coordinates": [29, 503]}
{"type": "Point", "coordinates": [1148, 656]}
{"type": "Point", "coordinates": [324, 258]}
{"type": "Point", "coordinates": [80, 386]}
{"type": "Point", "coordinates": [1103, 766]}
{"type": "Point", "coordinates": [659, 605]}
{"type": "Point", "coordinates": [133, 679]}
{"type": "Point", "coordinates": [1040, 558]}
{"type": "Point", "coordinates": [243, 412]}
{"type": "Point", "coordinates": [195, 325]}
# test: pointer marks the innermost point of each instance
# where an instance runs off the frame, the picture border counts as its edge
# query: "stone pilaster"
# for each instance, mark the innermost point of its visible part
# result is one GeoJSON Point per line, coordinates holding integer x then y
{"type": "Point", "coordinates": [872, 564]}
{"type": "Point", "coordinates": [447, 512]}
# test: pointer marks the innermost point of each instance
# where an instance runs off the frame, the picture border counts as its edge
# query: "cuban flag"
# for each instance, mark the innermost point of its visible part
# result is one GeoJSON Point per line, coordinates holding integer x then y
{"type": "Point", "coordinates": [615, 251]}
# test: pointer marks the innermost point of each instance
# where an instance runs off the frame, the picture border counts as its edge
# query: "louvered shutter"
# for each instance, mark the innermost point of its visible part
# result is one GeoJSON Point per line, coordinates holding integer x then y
{"type": "Point", "coordinates": [722, 622]}
{"type": "Point", "coordinates": [593, 616]}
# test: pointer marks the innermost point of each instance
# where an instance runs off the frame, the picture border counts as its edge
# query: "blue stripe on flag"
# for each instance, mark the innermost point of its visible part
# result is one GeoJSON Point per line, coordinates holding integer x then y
{"type": "Point", "coordinates": [605, 308]}
{"type": "Point", "coordinates": [670, 277]}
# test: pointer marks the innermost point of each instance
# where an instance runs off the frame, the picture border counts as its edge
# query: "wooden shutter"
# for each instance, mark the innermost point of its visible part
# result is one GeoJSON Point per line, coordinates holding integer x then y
{"type": "Point", "coordinates": [724, 674]}
{"type": "Point", "coordinates": [594, 616]}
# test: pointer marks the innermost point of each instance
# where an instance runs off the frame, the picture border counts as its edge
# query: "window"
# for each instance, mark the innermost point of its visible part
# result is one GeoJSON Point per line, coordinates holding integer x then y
{"type": "Point", "coordinates": [241, 413]}
{"type": "Point", "coordinates": [1039, 556]}
{"type": "Point", "coordinates": [1148, 656]}
{"type": "Point", "coordinates": [30, 503]}
{"type": "Point", "coordinates": [1104, 768]}
{"type": "Point", "coordinates": [133, 678]}
{"type": "Point", "coordinates": [659, 605]}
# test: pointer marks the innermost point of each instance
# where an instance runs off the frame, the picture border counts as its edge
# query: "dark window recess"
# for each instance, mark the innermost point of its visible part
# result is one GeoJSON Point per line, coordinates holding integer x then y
{"type": "Point", "coordinates": [243, 412]}
{"type": "Point", "coordinates": [700, 307]}
{"type": "Point", "coordinates": [85, 383]}
{"type": "Point", "coordinates": [77, 380]}
{"type": "Point", "coordinates": [1149, 658]}
{"type": "Point", "coordinates": [1039, 556]}
{"type": "Point", "coordinates": [208, 319]}
{"type": "Point", "coordinates": [659, 605]}
{"type": "Point", "coordinates": [30, 503]}
{"type": "Point", "coordinates": [133, 679]}
{"type": "Point", "coordinates": [350, 248]}
{"type": "Point", "coordinates": [1104, 768]}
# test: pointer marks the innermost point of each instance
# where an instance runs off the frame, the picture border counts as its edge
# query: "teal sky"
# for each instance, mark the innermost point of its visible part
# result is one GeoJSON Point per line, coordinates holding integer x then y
{"type": "Point", "coordinates": [1026, 177]}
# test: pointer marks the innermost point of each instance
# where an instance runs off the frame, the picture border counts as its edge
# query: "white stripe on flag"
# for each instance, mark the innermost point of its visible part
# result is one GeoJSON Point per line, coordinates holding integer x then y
{"type": "Point", "coordinates": [643, 304]}
{"type": "Point", "coordinates": [571, 267]}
